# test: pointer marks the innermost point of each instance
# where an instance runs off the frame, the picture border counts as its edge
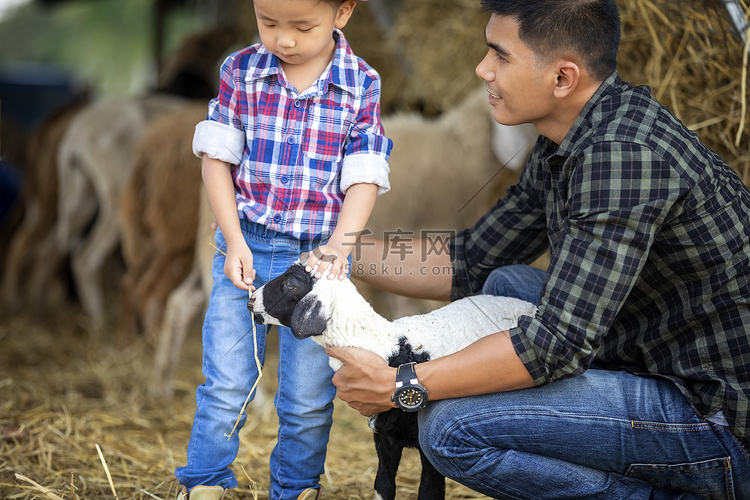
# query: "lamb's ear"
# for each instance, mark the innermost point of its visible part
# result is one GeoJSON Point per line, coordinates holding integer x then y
{"type": "Point", "coordinates": [309, 317]}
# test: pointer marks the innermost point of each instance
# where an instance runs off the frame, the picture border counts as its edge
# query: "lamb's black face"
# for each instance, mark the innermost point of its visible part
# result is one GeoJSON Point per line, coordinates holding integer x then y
{"type": "Point", "coordinates": [275, 301]}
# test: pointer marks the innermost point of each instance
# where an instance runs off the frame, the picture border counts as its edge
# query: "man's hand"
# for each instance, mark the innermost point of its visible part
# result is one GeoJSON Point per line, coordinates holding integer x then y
{"type": "Point", "coordinates": [365, 381]}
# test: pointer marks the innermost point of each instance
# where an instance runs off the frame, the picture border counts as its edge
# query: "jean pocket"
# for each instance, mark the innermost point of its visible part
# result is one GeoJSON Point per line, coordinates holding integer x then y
{"type": "Point", "coordinates": [220, 244]}
{"type": "Point", "coordinates": [710, 479]}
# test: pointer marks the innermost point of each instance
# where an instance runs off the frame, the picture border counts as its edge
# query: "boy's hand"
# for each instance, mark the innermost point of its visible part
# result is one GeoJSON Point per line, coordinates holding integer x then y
{"type": "Point", "coordinates": [330, 260]}
{"type": "Point", "coordinates": [238, 267]}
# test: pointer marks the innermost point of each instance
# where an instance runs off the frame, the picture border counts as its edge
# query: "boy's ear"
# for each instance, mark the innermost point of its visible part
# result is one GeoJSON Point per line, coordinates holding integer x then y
{"type": "Point", "coordinates": [344, 12]}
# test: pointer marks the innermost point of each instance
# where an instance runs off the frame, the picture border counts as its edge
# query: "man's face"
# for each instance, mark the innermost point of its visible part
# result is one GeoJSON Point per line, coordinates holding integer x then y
{"type": "Point", "coordinates": [517, 80]}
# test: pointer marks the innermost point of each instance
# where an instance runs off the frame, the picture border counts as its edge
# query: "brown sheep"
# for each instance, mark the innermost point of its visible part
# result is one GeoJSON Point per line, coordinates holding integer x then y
{"type": "Point", "coordinates": [159, 216]}
{"type": "Point", "coordinates": [33, 264]}
{"type": "Point", "coordinates": [185, 303]}
{"type": "Point", "coordinates": [192, 71]}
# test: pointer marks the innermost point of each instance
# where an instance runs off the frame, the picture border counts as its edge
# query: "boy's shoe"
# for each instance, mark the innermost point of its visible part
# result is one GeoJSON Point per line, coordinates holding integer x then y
{"type": "Point", "coordinates": [310, 494]}
{"type": "Point", "coordinates": [202, 493]}
{"type": "Point", "coordinates": [217, 493]}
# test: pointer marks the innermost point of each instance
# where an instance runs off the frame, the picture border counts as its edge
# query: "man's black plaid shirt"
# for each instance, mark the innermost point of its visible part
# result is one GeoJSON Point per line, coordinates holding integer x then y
{"type": "Point", "coordinates": [649, 236]}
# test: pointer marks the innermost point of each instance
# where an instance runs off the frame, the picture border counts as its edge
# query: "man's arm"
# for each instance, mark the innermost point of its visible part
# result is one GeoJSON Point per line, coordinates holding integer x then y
{"type": "Point", "coordinates": [425, 272]}
{"type": "Point", "coordinates": [489, 365]}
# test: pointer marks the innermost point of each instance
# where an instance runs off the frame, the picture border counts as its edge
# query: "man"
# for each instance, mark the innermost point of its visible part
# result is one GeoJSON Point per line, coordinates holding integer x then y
{"type": "Point", "coordinates": [633, 379]}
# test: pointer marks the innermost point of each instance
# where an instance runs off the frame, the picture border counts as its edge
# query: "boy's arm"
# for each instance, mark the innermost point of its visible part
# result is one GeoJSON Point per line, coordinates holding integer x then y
{"type": "Point", "coordinates": [355, 211]}
{"type": "Point", "coordinates": [217, 178]}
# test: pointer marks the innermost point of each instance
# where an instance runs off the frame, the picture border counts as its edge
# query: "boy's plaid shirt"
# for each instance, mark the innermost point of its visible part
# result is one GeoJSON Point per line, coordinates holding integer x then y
{"type": "Point", "coordinates": [295, 155]}
{"type": "Point", "coordinates": [649, 237]}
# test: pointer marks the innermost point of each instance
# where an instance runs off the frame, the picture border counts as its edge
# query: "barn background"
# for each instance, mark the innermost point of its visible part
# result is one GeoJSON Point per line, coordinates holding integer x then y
{"type": "Point", "coordinates": [90, 404]}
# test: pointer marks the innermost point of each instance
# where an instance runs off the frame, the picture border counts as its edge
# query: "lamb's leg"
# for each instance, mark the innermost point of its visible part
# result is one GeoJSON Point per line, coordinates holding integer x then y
{"type": "Point", "coordinates": [432, 483]}
{"type": "Point", "coordinates": [88, 264]}
{"type": "Point", "coordinates": [47, 280]}
{"type": "Point", "coordinates": [20, 252]}
{"type": "Point", "coordinates": [389, 456]}
{"type": "Point", "coordinates": [183, 306]}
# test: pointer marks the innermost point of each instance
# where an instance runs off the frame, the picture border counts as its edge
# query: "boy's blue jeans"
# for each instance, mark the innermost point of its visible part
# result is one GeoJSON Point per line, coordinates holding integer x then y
{"type": "Point", "coordinates": [304, 401]}
{"type": "Point", "coordinates": [602, 435]}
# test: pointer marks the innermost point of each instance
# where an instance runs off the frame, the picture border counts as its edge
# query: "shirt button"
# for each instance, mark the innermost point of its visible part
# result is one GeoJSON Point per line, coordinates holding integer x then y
{"type": "Point", "coordinates": [284, 179]}
{"type": "Point", "coordinates": [290, 140]}
{"type": "Point", "coordinates": [277, 218]}
{"type": "Point", "coordinates": [297, 104]}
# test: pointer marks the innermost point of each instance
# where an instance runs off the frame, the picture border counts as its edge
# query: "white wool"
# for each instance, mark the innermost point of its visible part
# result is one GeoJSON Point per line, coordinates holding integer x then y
{"type": "Point", "coordinates": [354, 323]}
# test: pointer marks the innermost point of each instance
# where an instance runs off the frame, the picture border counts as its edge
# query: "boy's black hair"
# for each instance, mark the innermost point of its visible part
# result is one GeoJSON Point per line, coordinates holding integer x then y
{"type": "Point", "coordinates": [590, 28]}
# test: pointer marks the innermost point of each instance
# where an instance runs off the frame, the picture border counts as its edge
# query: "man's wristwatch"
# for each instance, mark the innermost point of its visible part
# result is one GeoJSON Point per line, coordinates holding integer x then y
{"type": "Point", "coordinates": [409, 394]}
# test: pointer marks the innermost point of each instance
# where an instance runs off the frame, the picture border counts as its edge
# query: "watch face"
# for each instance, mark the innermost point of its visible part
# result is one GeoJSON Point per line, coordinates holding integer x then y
{"type": "Point", "coordinates": [410, 397]}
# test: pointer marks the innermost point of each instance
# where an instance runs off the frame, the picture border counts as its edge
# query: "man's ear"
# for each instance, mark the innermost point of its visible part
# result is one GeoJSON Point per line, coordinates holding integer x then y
{"type": "Point", "coordinates": [309, 317]}
{"type": "Point", "coordinates": [344, 12]}
{"type": "Point", "coordinates": [568, 76]}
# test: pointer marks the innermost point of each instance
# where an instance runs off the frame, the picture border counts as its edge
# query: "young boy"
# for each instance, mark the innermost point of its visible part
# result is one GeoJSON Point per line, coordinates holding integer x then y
{"type": "Point", "coordinates": [293, 158]}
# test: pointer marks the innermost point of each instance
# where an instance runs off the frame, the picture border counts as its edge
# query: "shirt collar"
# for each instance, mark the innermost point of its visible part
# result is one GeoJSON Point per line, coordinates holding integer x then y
{"type": "Point", "coordinates": [339, 72]}
{"type": "Point", "coordinates": [342, 71]}
{"type": "Point", "coordinates": [583, 124]}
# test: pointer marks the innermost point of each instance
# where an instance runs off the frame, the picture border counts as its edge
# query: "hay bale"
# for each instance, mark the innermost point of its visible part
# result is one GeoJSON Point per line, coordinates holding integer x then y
{"type": "Point", "coordinates": [444, 41]}
{"type": "Point", "coordinates": [687, 51]}
{"type": "Point", "coordinates": [690, 55]}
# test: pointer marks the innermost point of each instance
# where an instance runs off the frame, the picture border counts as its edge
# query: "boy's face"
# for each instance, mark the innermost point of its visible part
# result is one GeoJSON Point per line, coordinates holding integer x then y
{"type": "Point", "coordinates": [518, 82]}
{"type": "Point", "coordinates": [300, 31]}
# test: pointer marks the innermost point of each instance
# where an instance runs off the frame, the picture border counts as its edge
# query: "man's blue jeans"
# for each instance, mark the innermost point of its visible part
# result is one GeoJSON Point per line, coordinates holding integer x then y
{"type": "Point", "coordinates": [606, 435]}
{"type": "Point", "coordinates": [304, 401]}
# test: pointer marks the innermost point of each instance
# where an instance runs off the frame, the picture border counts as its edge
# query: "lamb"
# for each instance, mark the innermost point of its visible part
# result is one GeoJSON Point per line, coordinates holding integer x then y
{"type": "Point", "coordinates": [332, 312]}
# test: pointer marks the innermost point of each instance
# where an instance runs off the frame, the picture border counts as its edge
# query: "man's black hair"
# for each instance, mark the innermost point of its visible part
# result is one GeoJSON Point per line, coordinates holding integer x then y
{"type": "Point", "coordinates": [590, 28]}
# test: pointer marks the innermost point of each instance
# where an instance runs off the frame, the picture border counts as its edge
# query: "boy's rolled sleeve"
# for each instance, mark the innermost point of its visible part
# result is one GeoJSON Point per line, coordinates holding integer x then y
{"type": "Point", "coordinates": [365, 168]}
{"type": "Point", "coordinates": [222, 136]}
{"type": "Point", "coordinates": [219, 141]}
{"type": "Point", "coordinates": [368, 149]}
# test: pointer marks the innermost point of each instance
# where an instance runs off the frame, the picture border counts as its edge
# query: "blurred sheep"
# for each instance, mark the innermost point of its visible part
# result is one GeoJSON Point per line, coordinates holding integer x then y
{"type": "Point", "coordinates": [94, 163]}
{"type": "Point", "coordinates": [193, 70]}
{"type": "Point", "coordinates": [33, 264]}
{"type": "Point", "coordinates": [444, 175]}
{"type": "Point", "coordinates": [185, 305]}
{"type": "Point", "coordinates": [159, 217]}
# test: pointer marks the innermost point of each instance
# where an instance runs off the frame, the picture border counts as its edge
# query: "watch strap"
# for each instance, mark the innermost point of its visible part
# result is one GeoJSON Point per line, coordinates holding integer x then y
{"type": "Point", "coordinates": [406, 374]}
